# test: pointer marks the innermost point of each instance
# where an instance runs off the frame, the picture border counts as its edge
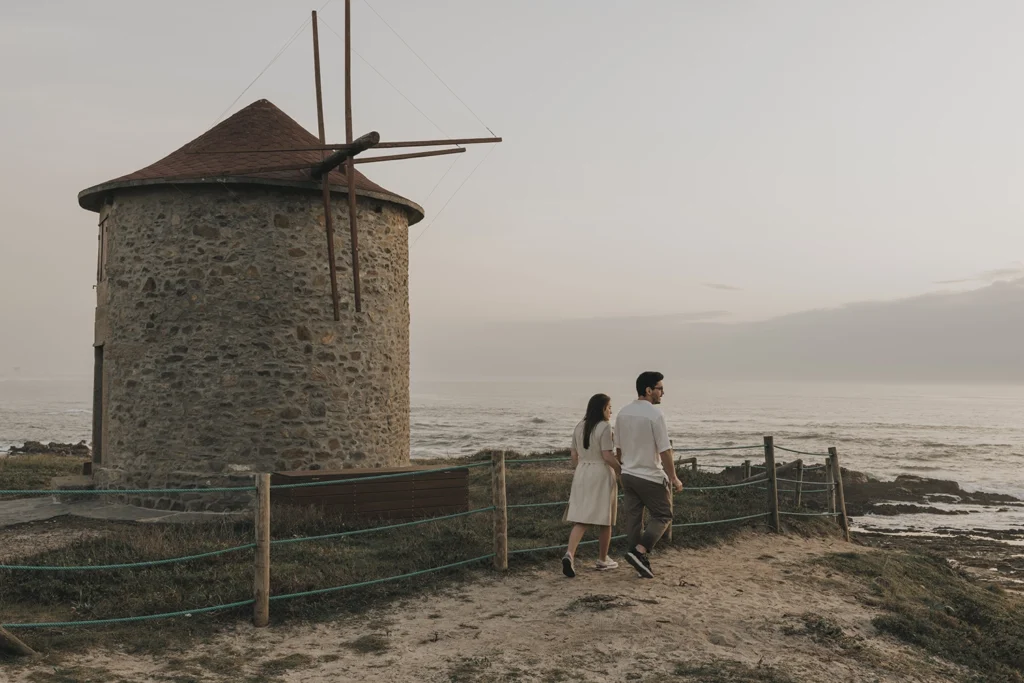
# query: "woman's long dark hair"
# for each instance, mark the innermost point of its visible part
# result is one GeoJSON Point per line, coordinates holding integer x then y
{"type": "Point", "coordinates": [594, 416]}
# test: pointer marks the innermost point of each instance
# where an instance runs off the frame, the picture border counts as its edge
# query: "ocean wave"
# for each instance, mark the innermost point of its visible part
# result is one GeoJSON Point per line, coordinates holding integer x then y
{"type": "Point", "coordinates": [810, 436]}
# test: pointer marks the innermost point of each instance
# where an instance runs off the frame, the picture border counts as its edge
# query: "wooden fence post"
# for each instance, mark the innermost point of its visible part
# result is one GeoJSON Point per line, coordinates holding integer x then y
{"type": "Point", "coordinates": [261, 581]}
{"type": "Point", "coordinates": [746, 469]}
{"type": "Point", "coordinates": [773, 484]}
{"type": "Point", "coordinates": [799, 481]}
{"type": "Point", "coordinates": [500, 510]}
{"type": "Point", "coordinates": [837, 472]}
{"type": "Point", "coordinates": [8, 643]}
{"type": "Point", "coordinates": [830, 486]}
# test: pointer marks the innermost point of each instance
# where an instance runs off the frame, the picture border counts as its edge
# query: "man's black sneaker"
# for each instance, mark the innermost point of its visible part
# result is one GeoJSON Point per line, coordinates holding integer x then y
{"type": "Point", "coordinates": [639, 562]}
{"type": "Point", "coordinates": [567, 567]}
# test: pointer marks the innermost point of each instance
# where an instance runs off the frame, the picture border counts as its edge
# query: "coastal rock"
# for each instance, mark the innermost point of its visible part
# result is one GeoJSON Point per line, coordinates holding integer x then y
{"type": "Point", "coordinates": [904, 509]}
{"type": "Point", "coordinates": [884, 497]}
{"type": "Point", "coordinates": [922, 485]}
{"type": "Point", "coordinates": [77, 450]}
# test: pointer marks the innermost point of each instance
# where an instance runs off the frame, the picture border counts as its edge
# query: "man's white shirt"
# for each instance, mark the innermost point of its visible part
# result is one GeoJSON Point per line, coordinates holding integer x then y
{"type": "Point", "coordinates": [641, 434]}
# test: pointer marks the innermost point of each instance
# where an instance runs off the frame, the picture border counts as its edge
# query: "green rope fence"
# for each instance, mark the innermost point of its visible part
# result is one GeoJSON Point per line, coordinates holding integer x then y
{"type": "Point", "coordinates": [809, 514]}
{"type": "Point", "coordinates": [712, 449]}
{"type": "Point", "coordinates": [723, 486]}
{"type": "Point", "coordinates": [128, 565]}
{"type": "Point", "coordinates": [230, 489]}
{"type": "Point", "coordinates": [622, 536]}
{"type": "Point", "coordinates": [685, 489]}
{"type": "Point", "coordinates": [377, 477]}
{"type": "Point", "coordinates": [560, 546]}
{"type": "Point", "coordinates": [530, 461]}
{"type": "Point", "coordinates": [719, 521]}
{"type": "Point", "coordinates": [537, 505]}
{"type": "Point", "coordinates": [361, 584]}
{"type": "Point", "coordinates": [400, 525]}
{"type": "Point", "coordinates": [122, 620]}
{"type": "Point", "coordinates": [790, 450]}
{"type": "Point", "coordinates": [78, 492]}
{"type": "Point", "coordinates": [354, 532]}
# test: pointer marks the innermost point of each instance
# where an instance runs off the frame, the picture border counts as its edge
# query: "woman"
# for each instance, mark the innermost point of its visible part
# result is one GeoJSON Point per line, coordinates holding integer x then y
{"type": "Point", "coordinates": [593, 498]}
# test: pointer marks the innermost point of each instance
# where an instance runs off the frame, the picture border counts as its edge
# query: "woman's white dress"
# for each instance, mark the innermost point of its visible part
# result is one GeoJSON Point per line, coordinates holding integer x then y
{"type": "Point", "coordinates": [593, 498]}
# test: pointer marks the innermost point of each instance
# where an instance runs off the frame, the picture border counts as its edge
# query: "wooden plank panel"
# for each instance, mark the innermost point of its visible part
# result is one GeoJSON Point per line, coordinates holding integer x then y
{"type": "Point", "coordinates": [454, 495]}
{"type": "Point", "coordinates": [294, 476]}
{"type": "Point", "coordinates": [392, 503]}
{"type": "Point", "coordinates": [406, 513]}
{"type": "Point", "coordinates": [397, 481]}
{"type": "Point", "coordinates": [419, 495]}
{"type": "Point", "coordinates": [417, 513]}
{"type": "Point", "coordinates": [411, 484]}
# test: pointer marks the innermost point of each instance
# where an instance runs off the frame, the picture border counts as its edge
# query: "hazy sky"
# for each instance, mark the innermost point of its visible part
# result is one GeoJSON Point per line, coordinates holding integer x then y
{"type": "Point", "coordinates": [659, 157]}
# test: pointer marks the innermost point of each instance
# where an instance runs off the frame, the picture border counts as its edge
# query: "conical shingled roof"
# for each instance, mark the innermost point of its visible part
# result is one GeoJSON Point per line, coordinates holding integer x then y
{"type": "Point", "coordinates": [214, 157]}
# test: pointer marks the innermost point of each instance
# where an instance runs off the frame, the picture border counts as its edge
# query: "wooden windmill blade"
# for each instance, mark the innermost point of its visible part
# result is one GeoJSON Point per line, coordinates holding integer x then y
{"type": "Point", "coordinates": [350, 168]}
{"type": "Point", "coordinates": [346, 153]}
{"type": "Point", "coordinates": [414, 155]}
{"type": "Point", "coordinates": [325, 181]}
{"type": "Point", "coordinates": [340, 145]}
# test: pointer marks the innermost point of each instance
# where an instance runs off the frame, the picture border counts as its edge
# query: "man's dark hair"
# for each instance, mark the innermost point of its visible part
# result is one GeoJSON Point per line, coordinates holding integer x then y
{"type": "Point", "coordinates": [647, 380]}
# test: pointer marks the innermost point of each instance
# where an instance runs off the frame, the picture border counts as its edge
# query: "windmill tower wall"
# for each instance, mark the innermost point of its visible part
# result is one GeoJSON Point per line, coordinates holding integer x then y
{"type": "Point", "coordinates": [220, 353]}
{"type": "Point", "coordinates": [217, 352]}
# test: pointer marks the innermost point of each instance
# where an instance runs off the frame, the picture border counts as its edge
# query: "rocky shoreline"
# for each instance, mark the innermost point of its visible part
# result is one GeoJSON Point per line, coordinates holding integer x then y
{"type": "Point", "coordinates": [992, 555]}
{"type": "Point", "coordinates": [77, 450]}
{"type": "Point", "coordinates": [908, 494]}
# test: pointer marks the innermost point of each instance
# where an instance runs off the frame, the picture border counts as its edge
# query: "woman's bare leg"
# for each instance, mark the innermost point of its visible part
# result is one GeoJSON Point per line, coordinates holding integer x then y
{"type": "Point", "coordinates": [604, 541]}
{"type": "Point", "coordinates": [575, 536]}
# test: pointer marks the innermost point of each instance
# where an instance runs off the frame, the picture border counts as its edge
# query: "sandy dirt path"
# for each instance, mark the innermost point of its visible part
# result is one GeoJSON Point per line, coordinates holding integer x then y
{"type": "Point", "coordinates": [747, 603]}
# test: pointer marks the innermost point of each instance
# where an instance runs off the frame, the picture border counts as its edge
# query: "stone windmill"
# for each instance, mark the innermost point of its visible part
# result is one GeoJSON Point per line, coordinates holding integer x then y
{"type": "Point", "coordinates": [216, 352]}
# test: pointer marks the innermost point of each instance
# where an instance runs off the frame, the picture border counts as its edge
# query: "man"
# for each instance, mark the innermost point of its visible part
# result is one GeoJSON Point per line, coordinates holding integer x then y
{"type": "Point", "coordinates": [648, 470]}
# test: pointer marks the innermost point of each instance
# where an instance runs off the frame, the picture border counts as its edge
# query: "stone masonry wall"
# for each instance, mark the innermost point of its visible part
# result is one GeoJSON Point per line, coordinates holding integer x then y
{"type": "Point", "coordinates": [222, 357]}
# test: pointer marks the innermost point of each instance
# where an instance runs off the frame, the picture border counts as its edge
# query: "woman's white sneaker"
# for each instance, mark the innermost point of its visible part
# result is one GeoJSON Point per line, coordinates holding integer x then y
{"type": "Point", "coordinates": [605, 565]}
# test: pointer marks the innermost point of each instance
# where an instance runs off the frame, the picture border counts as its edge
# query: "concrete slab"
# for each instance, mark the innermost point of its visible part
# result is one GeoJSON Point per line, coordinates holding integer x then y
{"type": "Point", "coordinates": [116, 512]}
{"type": "Point", "coordinates": [36, 509]}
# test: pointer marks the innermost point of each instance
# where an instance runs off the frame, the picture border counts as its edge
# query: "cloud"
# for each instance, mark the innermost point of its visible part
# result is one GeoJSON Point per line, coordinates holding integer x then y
{"type": "Point", "coordinates": [724, 288]}
{"type": "Point", "coordinates": [989, 276]}
{"type": "Point", "coordinates": [701, 315]}
{"type": "Point", "coordinates": [1002, 273]}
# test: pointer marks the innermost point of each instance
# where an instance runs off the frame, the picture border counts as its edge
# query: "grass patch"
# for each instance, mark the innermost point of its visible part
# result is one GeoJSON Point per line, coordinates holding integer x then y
{"type": "Point", "coordinates": [948, 614]}
{"type": "Point", "coordinates": [599, 603]}
{"type": "Point", "coordinates": [276, 667]}
{"type": "Point", "coordinates": [823, 631]}
{"type": "Point", "coordinates": [41, 596]}
{"type": "Point", "coordinates": [26, 472]}
{"type": "Point", "coordinates": [373, 643]}
{"type": "Point", "coordinates": [480, 670]}
{"type": "Point", "coordinates": [75, 674]}
{"type": "Point", "coordinates": [721, 671]}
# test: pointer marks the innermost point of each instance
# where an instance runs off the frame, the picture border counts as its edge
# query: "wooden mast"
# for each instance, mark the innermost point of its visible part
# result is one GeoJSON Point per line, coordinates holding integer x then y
{"type": "Point", "coordinates": [325, 179]}
{"type": "Point", "coordinates": [350, 167]}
